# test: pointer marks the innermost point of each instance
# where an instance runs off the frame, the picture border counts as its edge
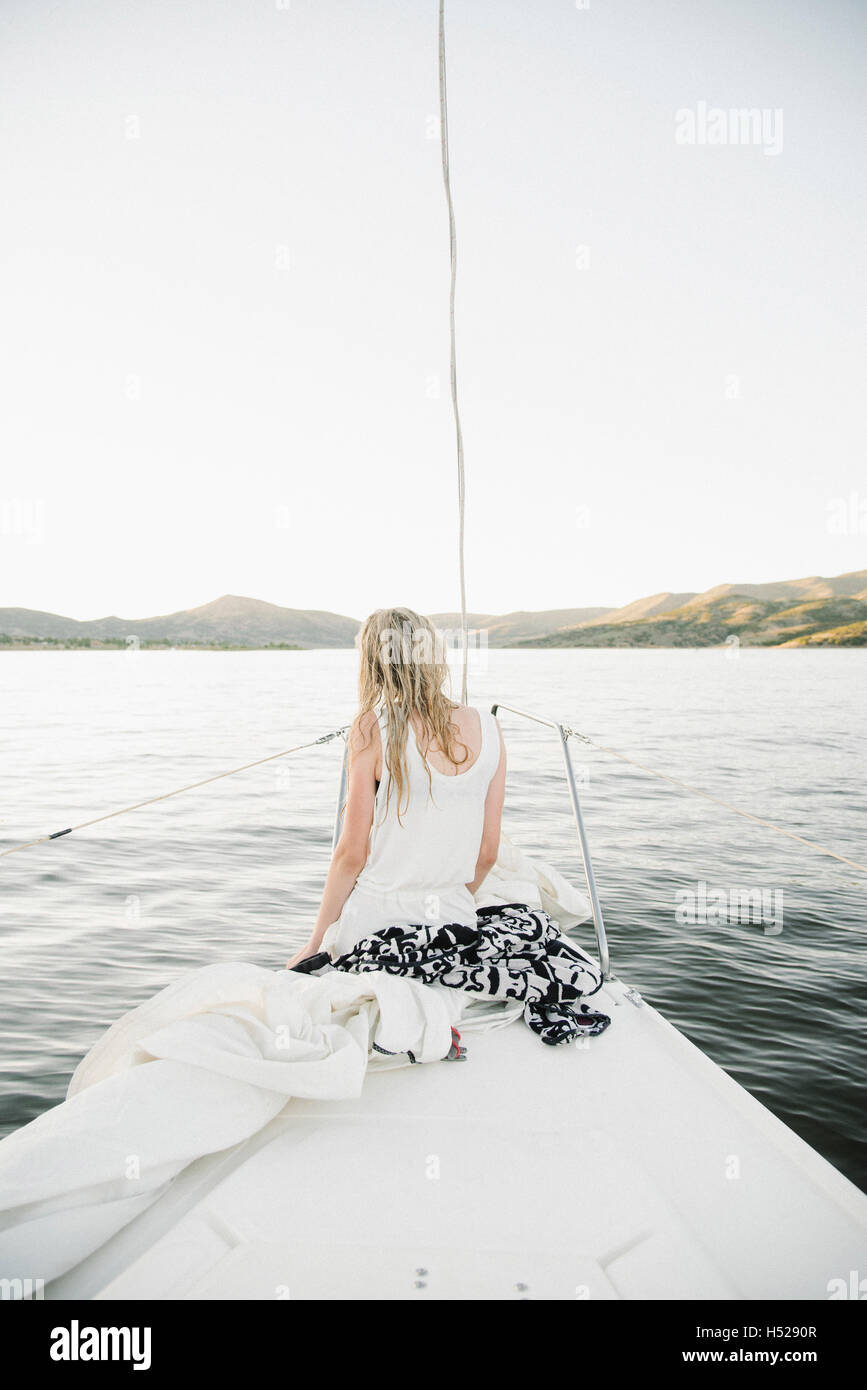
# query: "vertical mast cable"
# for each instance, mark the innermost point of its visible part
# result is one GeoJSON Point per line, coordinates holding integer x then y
{"type": "Point", "coordinates": [444, 142]}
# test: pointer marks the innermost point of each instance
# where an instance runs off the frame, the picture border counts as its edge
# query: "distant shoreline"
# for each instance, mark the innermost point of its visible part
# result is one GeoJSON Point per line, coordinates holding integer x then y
{"type": "Point", "coordinates": [120, 644]}
{"type": "Point", "coordinates": [81, 645]}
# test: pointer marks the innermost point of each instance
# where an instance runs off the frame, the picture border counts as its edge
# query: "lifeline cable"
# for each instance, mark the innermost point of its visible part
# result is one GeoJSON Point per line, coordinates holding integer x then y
{"type": "Point", "coordinates": [717, 801]}
{"type": "Point", "coordinates": [56, 835]}
{"type": "Point", "coordinates": [569, 733]}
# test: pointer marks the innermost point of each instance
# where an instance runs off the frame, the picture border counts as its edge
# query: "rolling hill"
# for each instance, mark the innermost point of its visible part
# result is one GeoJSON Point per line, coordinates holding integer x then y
{"type": "Point", "coordinates": [230, 620]}
{"type": "Point", "coordinates": [509, 629]}
{"type": "Point", "coordinates": [814, 612]}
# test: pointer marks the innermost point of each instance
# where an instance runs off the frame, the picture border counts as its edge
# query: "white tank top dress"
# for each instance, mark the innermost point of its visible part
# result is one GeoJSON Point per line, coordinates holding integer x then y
{"type": "Point", "coordinates": [417, 870]}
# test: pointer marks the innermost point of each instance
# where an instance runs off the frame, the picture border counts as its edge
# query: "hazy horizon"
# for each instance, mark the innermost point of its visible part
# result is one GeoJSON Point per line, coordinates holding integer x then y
{"type": "Point", "coordinates": [442, 608]}
{"type": "Point", "coordinates": [225, 279]}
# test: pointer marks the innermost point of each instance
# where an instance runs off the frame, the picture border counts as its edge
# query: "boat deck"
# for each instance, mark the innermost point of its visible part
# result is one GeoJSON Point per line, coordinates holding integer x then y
{"type": "Point", "coordinates": [627, 1166]}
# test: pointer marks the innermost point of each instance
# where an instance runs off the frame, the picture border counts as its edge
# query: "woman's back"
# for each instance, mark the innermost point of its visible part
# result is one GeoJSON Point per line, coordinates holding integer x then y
{"type": "Point", "coordinates": [420, 861]}
{"type": "Point", "coordinates": [470, 723]}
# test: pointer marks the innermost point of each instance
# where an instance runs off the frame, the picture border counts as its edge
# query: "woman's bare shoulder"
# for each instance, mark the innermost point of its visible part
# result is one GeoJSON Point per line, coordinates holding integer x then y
{"type": "Point", "coordinates": [364, 733]}
{"type": "Point", "coordinates": [469, 713]}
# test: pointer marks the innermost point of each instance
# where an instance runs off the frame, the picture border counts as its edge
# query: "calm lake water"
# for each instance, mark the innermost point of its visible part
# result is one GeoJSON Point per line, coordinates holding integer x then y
{"type": "Point", "coordinates": [96, 922]}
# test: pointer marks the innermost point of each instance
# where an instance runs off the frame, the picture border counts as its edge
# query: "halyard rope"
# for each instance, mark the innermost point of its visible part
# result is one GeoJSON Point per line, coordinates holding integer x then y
{"type": "Point", "coordinates": [444, 143]}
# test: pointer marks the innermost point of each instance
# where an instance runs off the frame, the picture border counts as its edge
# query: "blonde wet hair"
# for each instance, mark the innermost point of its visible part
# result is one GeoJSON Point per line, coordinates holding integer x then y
{"type": "Point", "coordinates": [404, 669]}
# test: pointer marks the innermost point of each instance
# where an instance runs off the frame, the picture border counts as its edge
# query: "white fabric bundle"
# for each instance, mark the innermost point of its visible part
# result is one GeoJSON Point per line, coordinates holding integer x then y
{"type": "Point", "coordinates": [225, 1047]}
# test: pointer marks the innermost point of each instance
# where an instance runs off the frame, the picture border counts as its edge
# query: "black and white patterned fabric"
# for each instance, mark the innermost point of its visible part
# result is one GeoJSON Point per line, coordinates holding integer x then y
{"type": "Point", "coordinates": [514, 952]}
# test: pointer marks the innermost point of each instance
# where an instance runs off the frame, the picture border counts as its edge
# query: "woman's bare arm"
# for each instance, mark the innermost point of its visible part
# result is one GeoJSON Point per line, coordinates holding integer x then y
{"type": "Point", "coordinates": [490, 846]}
{"type": "Point", "coordinates": [350, 853]}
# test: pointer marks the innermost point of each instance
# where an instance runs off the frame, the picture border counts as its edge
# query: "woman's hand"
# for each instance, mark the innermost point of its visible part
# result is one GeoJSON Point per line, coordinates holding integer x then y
{"type": "Point", "coordinates": [308, 950]}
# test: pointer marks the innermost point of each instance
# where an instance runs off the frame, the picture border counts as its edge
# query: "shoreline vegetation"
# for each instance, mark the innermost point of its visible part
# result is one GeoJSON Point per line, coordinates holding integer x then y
{"type": "Point", "coordinates": [733, 622]}
{"type": "Point", "coordinates": [664, 637]}
{"type": "Point", "coordinates": [811, 612]}
{"type": "Point", "coordinates": [120, 644]}
{"type": "Point", "coordinates": [724, 645]}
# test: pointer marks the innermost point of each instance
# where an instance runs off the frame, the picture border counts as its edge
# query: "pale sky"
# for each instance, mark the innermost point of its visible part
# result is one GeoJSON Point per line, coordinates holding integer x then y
{"type": "Point", "coordinates": [225, 288]}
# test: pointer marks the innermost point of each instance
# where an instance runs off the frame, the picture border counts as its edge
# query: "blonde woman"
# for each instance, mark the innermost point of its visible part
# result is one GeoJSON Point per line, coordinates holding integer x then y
{"type": "Point", "coordinates": [426, 782]}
